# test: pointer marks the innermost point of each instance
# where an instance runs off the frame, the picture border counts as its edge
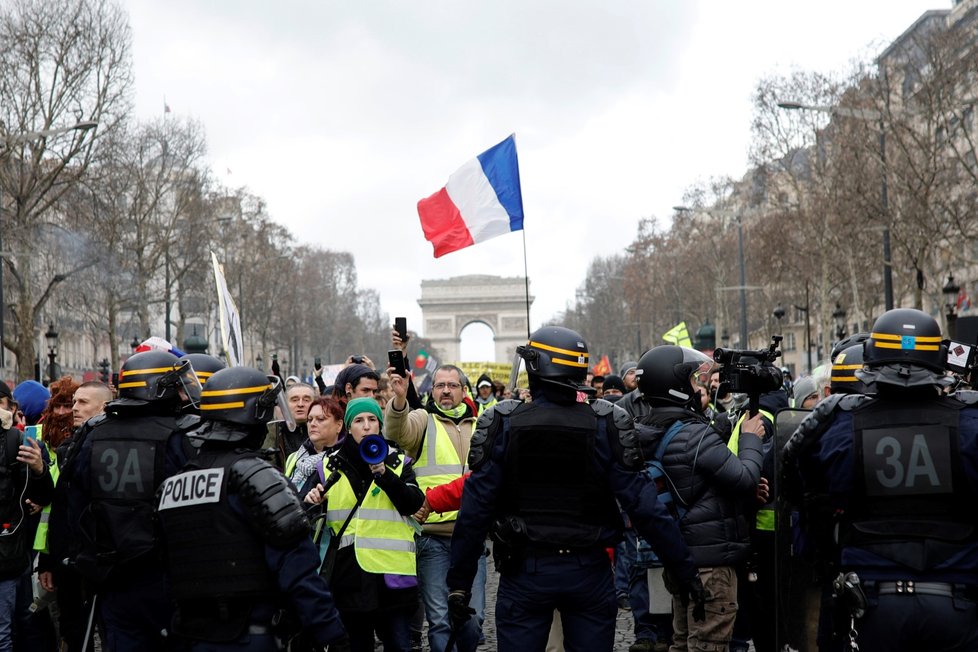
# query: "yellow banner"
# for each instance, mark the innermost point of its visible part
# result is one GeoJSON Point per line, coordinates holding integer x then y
{"type": "Point", "coordinates": [678, 335]}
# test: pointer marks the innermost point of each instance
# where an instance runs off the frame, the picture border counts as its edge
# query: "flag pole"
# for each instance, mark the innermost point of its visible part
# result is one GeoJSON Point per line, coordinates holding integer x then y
{"type": "Point", "coordinates": [526, 281]}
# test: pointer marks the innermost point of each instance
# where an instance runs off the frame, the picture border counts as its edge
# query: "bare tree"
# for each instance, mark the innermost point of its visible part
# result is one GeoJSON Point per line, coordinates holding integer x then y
{"type": "Point", "coordinates": [62, 62]}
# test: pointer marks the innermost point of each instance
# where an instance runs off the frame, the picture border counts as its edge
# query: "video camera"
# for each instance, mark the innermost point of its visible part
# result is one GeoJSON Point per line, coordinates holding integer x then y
{"type": "Point", "coordinates": [750, 372]}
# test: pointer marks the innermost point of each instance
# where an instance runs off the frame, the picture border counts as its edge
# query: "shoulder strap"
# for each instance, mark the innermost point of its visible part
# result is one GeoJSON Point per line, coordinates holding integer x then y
{"type": "Point", "coordinates": [666, 438]}
{"type": "Point", "coordinates": [348, 519]}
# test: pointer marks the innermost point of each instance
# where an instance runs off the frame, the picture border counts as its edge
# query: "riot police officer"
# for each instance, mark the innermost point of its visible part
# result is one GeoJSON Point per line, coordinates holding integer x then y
{"type": "Point", "coordinates": [236, 539]}
{"type": "Point", "coordinates": [117, 462]}
{"type": "Point", "coordinates": [545, 480]}
{"type": "Point", "coordinates": [847, 359]}
{"type": "Point", "coordinates": [893, 480]}
{"type": "Point", "coordinates": [205, 365]}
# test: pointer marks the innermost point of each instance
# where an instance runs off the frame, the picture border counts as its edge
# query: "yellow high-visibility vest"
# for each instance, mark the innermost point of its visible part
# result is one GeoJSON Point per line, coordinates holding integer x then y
{"type": "Point", "coordinates": [765, 515]}
{"type": "Point", "coordinates": [383, 539]}
{"type": "Point", "coordinates": [41, 537]}
{"type": "Point", "coordinates": [437, 464]}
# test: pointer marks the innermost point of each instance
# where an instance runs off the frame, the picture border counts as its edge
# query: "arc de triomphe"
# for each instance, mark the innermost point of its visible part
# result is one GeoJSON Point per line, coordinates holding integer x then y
{"type": "Point", "coordinates": [449, 305]}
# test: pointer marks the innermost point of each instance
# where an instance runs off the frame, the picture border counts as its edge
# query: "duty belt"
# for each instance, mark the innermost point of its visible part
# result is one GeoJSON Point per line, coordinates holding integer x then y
{"type": "Point", "coordinates": [533, 550]}
{"type": "Point", "coordinates": [911, 587]}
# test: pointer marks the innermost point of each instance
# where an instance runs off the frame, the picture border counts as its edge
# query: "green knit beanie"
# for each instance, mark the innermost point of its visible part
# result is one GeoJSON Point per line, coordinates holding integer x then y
{"type": "Point", "coordinates": [361, 405]}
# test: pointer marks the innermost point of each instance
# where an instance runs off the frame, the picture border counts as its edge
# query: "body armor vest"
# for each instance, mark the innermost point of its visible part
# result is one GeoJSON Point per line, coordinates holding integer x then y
{"type": "Point", "coordinates": [211, 551]}
{"type": "Point", "coordinates": [127, 465]}
{"type": "Point", "coordinates": [908, 501]}
{"type": "Point", "coordinates": [550, 481]}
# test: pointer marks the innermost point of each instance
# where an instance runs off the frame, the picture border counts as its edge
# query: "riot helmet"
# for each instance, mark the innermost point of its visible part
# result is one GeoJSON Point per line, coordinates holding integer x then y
{"type": "Point", "coordinates": [674, 375]}
{"type": "Point", "coordinates": [845, 343]}
{"type": "Point", "coordinates": [157, 376]}
{"type": "Point", "coordinates": [904, 349]}
{"type": "Point", "coordinates": [205, 365]}
{"type": "Point", "coordinates": [845, 364]}
{"type": "Point", "coordinates": [557, 356]}
{"type": "Point", "coordinates": [239, 395]}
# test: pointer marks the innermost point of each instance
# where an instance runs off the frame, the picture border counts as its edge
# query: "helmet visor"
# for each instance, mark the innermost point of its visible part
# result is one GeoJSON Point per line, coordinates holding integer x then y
{"type": "Point", "coordinates": [275, 396]}
{"type": "Point", "coordinates": [702, 376]}
{"type": "Point", "coordinates": [514, 374]}
{"type": "Point", "coordinates": [187, 382]}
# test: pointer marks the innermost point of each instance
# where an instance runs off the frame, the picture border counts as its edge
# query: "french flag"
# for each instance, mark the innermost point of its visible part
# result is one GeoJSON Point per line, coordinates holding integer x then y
{"type": "Point", "coordinates": [481, 200]}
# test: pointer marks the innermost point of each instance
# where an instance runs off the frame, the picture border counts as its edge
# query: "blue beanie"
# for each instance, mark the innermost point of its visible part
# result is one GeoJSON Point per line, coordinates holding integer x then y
{"type": "Point", "coordinates": [32, 397]}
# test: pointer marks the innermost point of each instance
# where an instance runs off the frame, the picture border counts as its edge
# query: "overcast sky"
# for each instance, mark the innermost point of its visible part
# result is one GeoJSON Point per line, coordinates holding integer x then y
{"type": "Point", "coordinates": [343, 114]}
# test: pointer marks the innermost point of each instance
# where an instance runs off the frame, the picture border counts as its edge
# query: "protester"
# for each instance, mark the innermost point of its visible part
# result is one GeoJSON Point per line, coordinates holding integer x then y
{"type": "Point", "coordinates": [438, 437]}
{"type": "Point", "coordinates": [369, 509]}
{"type": "Point", "coordinates": [324, 424]}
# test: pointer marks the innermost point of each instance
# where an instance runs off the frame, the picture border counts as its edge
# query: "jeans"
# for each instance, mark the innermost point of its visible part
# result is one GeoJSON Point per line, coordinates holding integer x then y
{"type": "Point", "coordinates": [16, 596]}
{"type": "Point", "coordinates": [8, 599]}
{"type": "Point", "coordinates": [433, 562]}
{"type": "Point", "coordinates": [647, 626]}
{"type": "Point", "coordinates": [624, 561]}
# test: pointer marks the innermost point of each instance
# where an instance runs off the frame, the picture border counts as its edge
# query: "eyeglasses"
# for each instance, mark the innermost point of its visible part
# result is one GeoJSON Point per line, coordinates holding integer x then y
{"type": "Point", "coordinates": [452, 386]}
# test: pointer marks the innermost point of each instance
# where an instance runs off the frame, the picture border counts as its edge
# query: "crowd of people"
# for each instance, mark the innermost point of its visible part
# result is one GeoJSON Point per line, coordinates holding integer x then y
{"type": "Point", "coordinates": [200, 507]}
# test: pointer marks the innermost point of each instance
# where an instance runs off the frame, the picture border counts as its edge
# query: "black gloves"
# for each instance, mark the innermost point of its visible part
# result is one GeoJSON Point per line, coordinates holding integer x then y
{"type": "Point", "coordinates": [693, 590]}
{"type": "Point", "coordinates": [459, 611]}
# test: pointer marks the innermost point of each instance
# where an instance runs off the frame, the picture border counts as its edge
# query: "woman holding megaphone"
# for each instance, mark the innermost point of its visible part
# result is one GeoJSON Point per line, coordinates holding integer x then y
{"type": "Point", "coordinates": [368, 501]}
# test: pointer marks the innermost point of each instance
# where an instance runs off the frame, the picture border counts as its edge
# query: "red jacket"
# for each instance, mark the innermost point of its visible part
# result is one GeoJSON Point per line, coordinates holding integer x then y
{"type": "Point", "coordinates": [447, 497]}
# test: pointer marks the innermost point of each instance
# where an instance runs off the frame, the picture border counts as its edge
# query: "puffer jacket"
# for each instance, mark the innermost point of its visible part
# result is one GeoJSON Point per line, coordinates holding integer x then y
{"type": "Point", "coordinates": [710, 482]}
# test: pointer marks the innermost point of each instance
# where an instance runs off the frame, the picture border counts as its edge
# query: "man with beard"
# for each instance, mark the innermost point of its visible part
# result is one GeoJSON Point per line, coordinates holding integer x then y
{"type": "Point", "coordinates": [438, 438]}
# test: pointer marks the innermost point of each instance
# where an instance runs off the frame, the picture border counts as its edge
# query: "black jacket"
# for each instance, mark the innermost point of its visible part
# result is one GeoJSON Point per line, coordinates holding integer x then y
{"type": "Point", "coordinates": [711, 483]}
{"type": "Point", "coordinates": [17, 484]}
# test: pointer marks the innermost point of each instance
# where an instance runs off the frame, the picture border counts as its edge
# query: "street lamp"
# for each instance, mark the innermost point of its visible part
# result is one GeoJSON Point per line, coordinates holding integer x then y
{"type": "Point", "coordinates": [778, 314]}
{"type": "Point", "coordinates": [6, 141]}
{"type": "Point", "coordinates": [839, 315]}
{"type": "Point", "coordinates": [867, 115]}
{"type": "Point", "coordinates": [259, 362]}
{"type": "Point", "coordinates": [808, 327]}
{"type": "Point", "coordinates": [743, 273]}
{"type": "Point", "coordinates": [950, 292]}
{"type": "Point", "coordinates": [51, 337]}
{"type": "Point", "coordinates": [134, 344]}
{"type": "Point", "coordinates": [725, 338]}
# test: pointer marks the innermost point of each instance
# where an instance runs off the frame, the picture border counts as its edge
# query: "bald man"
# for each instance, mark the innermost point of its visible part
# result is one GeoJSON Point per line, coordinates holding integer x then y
{"type": "Point", "coordinates": [89, 399]}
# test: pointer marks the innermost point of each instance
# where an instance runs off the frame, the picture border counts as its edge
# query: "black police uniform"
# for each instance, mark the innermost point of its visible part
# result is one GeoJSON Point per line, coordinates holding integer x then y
{"type": "Point", "coordinates": [891, 483]}
{"type": "Point", "coordinates": [238, 550]}
{"type": "Point", "coordinates": [123, 457]}
{"type": "Point", "coordinates": [545, 479]}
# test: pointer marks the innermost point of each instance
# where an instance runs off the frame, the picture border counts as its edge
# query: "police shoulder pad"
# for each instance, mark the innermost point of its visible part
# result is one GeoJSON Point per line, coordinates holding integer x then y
{"type": "Point", "coordinates": [623, 420]}
{"type": "Point", "coordinates": [96, 420]}
{"type": "Point", "coordinates": [507, 406]}
{"type": "Point", "coordinates": [270, 501]}
{"type": "Point", "coordinates": [188, 422]}
{"type": "Point", "coordinates": [602, 407]}
{"type": "Point", "coordinates": [849, 402]}
{"type": "Point", "coordinates": [502, 407]}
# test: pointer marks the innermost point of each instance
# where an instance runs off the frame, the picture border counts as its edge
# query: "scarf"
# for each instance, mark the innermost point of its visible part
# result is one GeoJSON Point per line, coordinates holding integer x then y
{"type": "Point", "coordinates": [455, 414]}
{"type": "Point", "coordinates": [305, 466]}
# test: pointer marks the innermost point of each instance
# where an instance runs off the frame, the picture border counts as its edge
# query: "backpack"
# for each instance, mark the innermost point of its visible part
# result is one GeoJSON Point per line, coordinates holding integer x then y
{"type": "Point", "coordinates": [645, 556]}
